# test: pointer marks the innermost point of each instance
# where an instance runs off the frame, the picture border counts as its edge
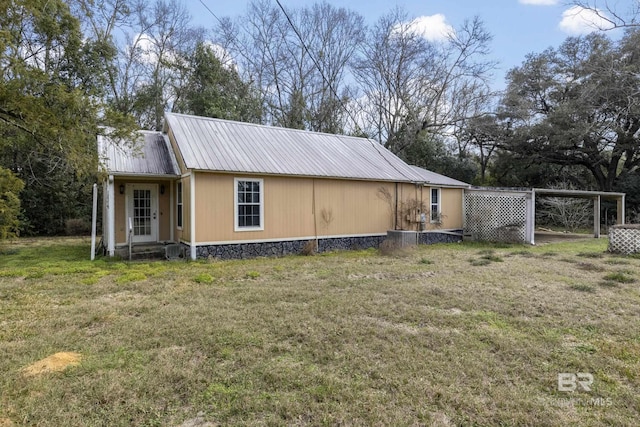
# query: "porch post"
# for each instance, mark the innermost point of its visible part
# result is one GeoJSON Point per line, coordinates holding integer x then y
{"type": "Point", "coordinates": [192, 213]}
{"type": "Point", "coordinates": [596, 216]}
{"type": "Point", "coordinates": [111, 217]}
{"type": "Point", "coordinates": [172, 208]}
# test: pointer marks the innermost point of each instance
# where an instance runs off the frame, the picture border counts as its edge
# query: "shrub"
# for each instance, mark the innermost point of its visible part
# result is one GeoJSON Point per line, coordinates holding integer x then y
{"type": "Point", "coordinates": [77, 227]}
{"type": "Point", "coordinates": [10, 188]}
{"type": "Point", "coordinates": [309, 248]}
{"type": "Point", "coordinates": [391, 248]}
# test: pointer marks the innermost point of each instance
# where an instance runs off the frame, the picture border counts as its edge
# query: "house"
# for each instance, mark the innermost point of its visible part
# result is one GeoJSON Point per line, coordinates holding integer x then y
{"type": "Point", "coordinates": [233, 190]}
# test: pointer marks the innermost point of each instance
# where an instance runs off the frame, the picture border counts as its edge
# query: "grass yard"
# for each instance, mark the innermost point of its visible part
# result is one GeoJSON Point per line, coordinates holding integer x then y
{"type": "Point", "coordinates": [461, 334]}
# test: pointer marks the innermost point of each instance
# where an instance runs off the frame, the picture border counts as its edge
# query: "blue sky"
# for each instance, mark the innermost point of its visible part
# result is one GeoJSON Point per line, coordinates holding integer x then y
{"type": "Point", "coordinates": [518, 27]}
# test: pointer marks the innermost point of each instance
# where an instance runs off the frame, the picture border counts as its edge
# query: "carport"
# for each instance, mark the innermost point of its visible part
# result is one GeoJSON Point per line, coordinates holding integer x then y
{"type": "Point", "coordinates": [508, 214]}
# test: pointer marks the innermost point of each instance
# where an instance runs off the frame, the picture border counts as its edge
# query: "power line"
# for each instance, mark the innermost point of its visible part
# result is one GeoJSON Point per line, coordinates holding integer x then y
{"type": "Point", "coordinates": [211, 12]}
{"type": "Point", "coordinates": [317, 65]}
{"type": "Point", "coordinates": [304, 45]}
{"type": "Point", "coordinates": [308, 51]}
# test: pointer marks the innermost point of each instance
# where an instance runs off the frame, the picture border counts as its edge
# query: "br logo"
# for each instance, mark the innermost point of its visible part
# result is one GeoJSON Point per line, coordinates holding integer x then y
{"type": "Point", "coordinates": [572, 382]}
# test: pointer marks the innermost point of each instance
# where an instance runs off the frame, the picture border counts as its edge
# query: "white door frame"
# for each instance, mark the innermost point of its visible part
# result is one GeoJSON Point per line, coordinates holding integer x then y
{"type": "Point", "coordinates": [154, 214]}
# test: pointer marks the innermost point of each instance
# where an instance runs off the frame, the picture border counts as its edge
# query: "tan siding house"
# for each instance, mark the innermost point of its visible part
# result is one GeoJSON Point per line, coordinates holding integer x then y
{"type": "Point", "coordinates": [231, 190]}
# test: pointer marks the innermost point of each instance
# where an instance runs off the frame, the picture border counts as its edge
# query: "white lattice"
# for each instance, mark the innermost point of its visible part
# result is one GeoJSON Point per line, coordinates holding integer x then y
{"type": "Point", "coordinates": [624, 239]}
{"type": "Point", "coordinates": [496, 217]}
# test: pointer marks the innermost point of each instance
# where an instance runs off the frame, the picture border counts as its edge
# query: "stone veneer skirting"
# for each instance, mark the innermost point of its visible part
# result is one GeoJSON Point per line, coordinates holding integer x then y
{"type": "Point", "coordinates": [432, 237]}
{"type": "Point", "coordinates": [294, 247]}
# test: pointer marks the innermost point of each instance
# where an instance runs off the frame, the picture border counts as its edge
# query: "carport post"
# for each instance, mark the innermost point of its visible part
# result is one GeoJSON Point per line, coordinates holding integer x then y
{"type": "Point", "coordinates": [596, 216]}
{"type": "Point", "coordinates": [620, 210]}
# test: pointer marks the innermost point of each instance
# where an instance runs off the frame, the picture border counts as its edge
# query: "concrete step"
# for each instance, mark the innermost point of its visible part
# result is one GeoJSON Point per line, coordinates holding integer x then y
{"type": "Point", "coordinates": [142, 251]}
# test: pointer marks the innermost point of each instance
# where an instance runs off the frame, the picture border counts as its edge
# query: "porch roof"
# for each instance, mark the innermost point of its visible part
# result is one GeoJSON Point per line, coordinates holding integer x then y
{"type": "Point", "coordinates": [151, 155]}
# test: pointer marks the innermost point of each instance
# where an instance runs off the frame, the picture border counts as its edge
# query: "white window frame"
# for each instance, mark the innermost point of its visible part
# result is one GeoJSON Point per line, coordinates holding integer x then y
{"type": "Point", "coordinates": [438, 206]}
{"type": "Point", "coordinates": [179, 205]}
{"type": "Point", "coordinates": [236, 227]}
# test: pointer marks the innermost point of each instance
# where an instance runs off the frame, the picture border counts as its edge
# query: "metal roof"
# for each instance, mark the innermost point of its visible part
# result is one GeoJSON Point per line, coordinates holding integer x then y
{"type": "Point", "coordinates": [151, 155]}
{"type": "Point", "coordinates": [436, 179]}
{"type": "Point", "coordinates": [220, 145]}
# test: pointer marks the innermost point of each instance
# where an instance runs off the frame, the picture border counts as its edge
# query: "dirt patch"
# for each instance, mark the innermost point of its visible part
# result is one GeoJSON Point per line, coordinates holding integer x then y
{"type": "Point", "coordinates": [55, 363]}
{"type": "Point", "coordinates": [6, 422]}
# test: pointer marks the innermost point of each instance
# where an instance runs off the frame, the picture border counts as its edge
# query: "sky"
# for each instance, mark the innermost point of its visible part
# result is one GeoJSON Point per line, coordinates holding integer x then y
{"type": "Point", "coordinates": [518, 27]}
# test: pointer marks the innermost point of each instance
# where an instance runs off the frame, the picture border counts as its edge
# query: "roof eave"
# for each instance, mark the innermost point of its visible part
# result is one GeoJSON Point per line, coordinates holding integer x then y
{"type": "Point", "coordinates": [227, 172]}
{"type": "Point", "coordinates": [141, 175]}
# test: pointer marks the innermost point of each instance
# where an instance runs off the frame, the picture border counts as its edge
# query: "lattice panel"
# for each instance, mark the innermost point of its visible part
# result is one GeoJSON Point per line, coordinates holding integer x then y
{"type": "Point", "coordinates": [624, 240]}
{"type": "Point", "coordinates": [496, 218]}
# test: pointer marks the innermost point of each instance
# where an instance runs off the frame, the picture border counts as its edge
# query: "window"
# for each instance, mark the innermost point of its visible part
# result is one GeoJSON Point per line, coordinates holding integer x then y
{"type": "Point", "coordinates": [435, 205]}
{"type": "Point", "coordinates": [179, 203]}
{"type": "Point", "coordinates": [249, 206]}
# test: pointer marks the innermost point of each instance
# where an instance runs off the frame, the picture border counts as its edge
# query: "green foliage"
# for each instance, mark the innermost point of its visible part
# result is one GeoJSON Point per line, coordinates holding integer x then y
{"type": "Point", "coordinates": [214, 89]}
{"type": "Point", "coordinates": [204, 278]}
{"type": "Point", "coordinates": [52, 82]}
{"type": "Point", "coordinates": [10, 187]}
{"type": "Point", "coordinates": [619, 277]}
{"type": "Point", "coordinates": [570, 106]}
{"type": "Point", "coordinates": [431, 153]}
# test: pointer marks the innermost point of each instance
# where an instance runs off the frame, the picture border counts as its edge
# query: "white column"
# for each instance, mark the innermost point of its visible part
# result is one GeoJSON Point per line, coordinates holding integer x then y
{"type": "Point", "coordinates": [530, 225]}
{"type": "Point", "coordinates": [596, 217]}
{"type": "Point", "coordinates": [94, 221]}
{"type": "Point", "coordinates": [111, 217]}
{"type": "Point", "coordinates": [192, 213]}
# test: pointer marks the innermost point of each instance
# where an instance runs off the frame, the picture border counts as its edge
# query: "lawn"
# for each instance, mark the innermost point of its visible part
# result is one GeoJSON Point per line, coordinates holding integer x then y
{"type": "Point", "coordinates": [460, 334]}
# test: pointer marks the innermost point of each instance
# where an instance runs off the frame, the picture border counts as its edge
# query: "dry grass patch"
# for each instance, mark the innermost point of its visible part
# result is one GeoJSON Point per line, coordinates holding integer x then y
{"type": "Point", "coordinates": [57, 362]}
{"type": "Point", "coordinates": [351, 338]}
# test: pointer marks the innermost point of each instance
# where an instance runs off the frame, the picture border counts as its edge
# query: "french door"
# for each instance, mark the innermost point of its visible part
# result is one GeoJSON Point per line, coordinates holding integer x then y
{"type": "Point", "coordinates": [142, 214]}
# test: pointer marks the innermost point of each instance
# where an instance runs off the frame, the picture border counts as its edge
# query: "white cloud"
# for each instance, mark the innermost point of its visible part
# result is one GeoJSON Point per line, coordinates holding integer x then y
{"type": "Point", "coordinates": [539, 2]}
{"type": "Point", "coordinates": [577, 20]}
{"type": "Point", "coordinates": [432, 28]}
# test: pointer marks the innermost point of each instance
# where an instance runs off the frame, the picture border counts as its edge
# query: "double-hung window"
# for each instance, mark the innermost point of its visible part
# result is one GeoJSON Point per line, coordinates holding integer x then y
{"type": "Point", "coordinates": [249, 204]}
{"type": "Point", "coordinates": [179, 204]}
{"type": "Point", "coordinates": [435, 205]}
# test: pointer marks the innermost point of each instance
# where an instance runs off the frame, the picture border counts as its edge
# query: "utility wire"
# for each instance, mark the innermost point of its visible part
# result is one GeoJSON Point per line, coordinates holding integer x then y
{"type": "Point", "coordinates": [306, 48]}
{"type": "Point", "coordinates": [304, 45]}
{"type": "Point", "coordinates": [210, 11]}
{"type": "Point", "coordinates": [333, 91]}
{"type": "Point", "coordinates": [317, 65]}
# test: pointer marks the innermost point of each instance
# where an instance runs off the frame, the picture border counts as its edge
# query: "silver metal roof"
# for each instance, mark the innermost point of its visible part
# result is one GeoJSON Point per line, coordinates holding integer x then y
{"type": "Point", "coordinates": [152, 155]}
{"type": "Point", "coordinates": [220, 145]}
{"type": "Point", "coordinates": [436, 179]}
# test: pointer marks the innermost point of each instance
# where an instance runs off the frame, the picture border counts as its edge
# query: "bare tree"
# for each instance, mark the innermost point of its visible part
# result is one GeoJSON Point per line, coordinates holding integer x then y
{"type": "Point", "coordinates": [610, 15]}
{"type": "Point", "coordinates": [299, 58]}
{"type": "Point", "coordinates": [412, 85]}
{"type": "Point", "coordinates": [568, 213]}
{"type": "Point", "coordinates": [151, 40]}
